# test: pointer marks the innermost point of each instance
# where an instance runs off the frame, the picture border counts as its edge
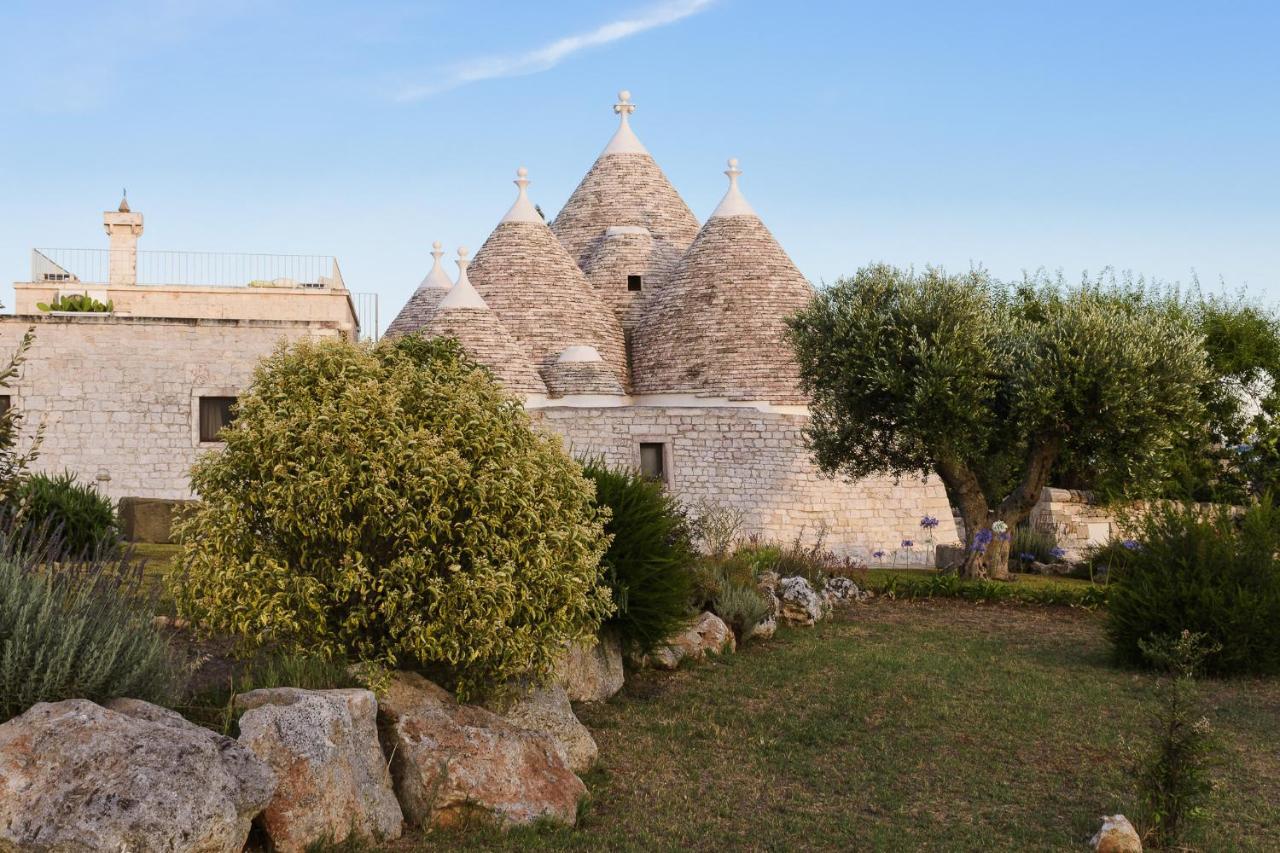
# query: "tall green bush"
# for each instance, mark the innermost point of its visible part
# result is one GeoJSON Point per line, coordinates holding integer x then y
{"type": "Point", "coordinates": [85, 516]}
{"type": "Point", "coordinates": [80, 630]}
{"type": "Point", "coordinates": [396, 507]}
{"type": "Point", "coordinates": [1207, 572]}
{"type": "Point", "coordinates": [649, 557]}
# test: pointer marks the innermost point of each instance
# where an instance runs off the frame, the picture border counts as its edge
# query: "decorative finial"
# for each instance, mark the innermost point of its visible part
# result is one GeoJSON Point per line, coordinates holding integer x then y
{"type": "Point", "coordinates": [624, 107]}
{"type": "Point", "coordinates": [733, 203]}
{"type": "Point", "coordinates": [124, 200]}
{"type": "Point", "coordinates": [522, 179]}
{"type": "Point", "coordinates": [436, 248]}
{"type": "Point", "coordinates": [522, 210]}
{"type": "Point", "coordinates": [462, 260]}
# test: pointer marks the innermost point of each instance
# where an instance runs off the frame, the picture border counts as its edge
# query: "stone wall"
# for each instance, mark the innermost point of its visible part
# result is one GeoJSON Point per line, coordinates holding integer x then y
{"type": "Point", "coordinates": [1074, 519]}
{"type": "Point", "coordinates": [757, 463]}
{"type": "Point", "coordinates": [118, 396]}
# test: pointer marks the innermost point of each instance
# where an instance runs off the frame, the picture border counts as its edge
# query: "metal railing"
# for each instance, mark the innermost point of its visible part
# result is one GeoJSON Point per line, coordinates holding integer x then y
{"type": "Point", "coordinates": [366, 305]}
{"type": "Point", "coordinates": [210, 269]}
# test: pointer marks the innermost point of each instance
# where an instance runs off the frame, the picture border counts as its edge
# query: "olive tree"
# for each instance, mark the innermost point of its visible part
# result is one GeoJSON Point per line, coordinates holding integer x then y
{"type": "Point", "coordinates": [989, 385]}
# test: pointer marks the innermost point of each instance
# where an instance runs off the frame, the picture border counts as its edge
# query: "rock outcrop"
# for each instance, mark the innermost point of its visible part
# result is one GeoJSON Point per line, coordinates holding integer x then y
{"type": "Point", "coordinates": [1117, 835]}
{"type": "Point", "coordinates": [592, 673]}
{"type": "Point", "coordinates": [547, 710]}
{"type": "Point", "coordinates": [706, 634]}
{"type": "Point", "coordinates": [333, 779]}
{"type": "Point", "coordinates": [800, 605]}
{"type": "Point", "coordinates": [77, 776]}
{"type": "Point", "coordinates": [450, 760]}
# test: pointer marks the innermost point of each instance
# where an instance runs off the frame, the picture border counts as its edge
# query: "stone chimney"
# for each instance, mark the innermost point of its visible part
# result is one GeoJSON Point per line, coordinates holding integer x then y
{"type": "Point", "coordinates": [123, 227]}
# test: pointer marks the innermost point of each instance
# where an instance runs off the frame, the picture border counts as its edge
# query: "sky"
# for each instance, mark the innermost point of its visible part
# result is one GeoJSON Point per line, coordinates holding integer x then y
{"type": "Point", "coordinates": [1141, 136]}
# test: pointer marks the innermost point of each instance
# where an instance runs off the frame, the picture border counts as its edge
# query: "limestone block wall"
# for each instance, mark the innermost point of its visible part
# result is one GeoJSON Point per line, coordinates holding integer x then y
{"type": "Point", "coordinates": [757, 462]}
{"type": "Point", "coordinates": [1074, 519]}
{"type": "Point", "coordinates": [119, 395]}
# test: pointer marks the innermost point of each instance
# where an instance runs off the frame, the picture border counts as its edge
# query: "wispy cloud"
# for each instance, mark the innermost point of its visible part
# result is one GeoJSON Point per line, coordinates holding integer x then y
{"type": "Point", "coordinates": [552, 54]}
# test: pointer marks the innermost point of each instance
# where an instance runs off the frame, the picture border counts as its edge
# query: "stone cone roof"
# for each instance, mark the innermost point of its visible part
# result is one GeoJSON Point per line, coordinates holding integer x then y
{"type": "Point", "coordinates": [528, 279]}
{"type": "Point", "coordinates": [580, 370]}
{"type": "Point", "coordinates": [462, 314]}
{"type": "Point", "coordinates": [625, 187]}
{"type": "Point", "coordinates": [415, 313]}
{"type": "Point", "coordinates": [719, 327]}
{"type": "Point", "coordinates": [626, 251]}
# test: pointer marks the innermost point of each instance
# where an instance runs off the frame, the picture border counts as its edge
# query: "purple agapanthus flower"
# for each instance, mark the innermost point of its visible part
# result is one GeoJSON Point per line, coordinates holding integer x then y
{"type": "Point", "coordinates": [1243, 448]}
{"type": "Point", "coordinates": [1131, 545]}
{"type": "Point", "coordinates": [879, 555]}
{"type": "Point", "coordinates": [982, 537]}
{"type": "Point", "coordinates": [1058, 553]}
{"type": "Point", "coordinates": [907, 543]}
{"type": "Point", "coordinates": [928, 522]}
{"type": "Point", "coordinates": [1026, 557]}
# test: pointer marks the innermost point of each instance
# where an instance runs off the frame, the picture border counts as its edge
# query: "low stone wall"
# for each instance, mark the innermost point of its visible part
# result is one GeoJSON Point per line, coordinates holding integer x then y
{"type": "Point", "coordinates": [757, 463]}
{"type": "Point", "coordinates": [1074, 518]}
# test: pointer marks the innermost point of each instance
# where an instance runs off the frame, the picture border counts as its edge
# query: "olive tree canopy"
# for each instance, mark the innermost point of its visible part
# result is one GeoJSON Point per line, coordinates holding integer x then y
{"type": "Point", "coordinates": [989, 385]}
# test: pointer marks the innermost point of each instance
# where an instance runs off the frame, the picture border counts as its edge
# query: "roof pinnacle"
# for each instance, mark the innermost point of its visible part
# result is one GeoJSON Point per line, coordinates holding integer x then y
{"type": "Point", "coordinates": [624, 141]}
{"type": "Point", "coordinates": [437, 277]}
{"type": "Point", "coordinates": [523, 209]}
{"type": "Point", "coordinates": [463, 294]}
{"type": "Point", "coordinates": [733, 203]}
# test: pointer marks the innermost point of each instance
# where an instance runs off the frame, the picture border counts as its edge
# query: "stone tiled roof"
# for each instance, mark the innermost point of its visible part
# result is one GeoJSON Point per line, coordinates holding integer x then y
{"type": "Point", "coordinates": [580, 370]}
{"type": "Point", "coordinates": [463, 315]}
{"type": "Point", "coordinates": [623, 252]}
{"type": "Point", "coordinates": [718, 328]}
{"type": "Point", "coordinates": [413, 316]}
{"type": "Point", "coordinates": [528, 280]}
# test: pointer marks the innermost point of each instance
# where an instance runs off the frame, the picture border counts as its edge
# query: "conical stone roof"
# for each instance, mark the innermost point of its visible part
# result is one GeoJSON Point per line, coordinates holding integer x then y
{"type": "Point", "coordinates": [415, 313]}
{"type": "Point", "coordinates": [528, 280]}
{"type": "Point", "coordinates": [580, 370]}
{"type": "Point", "coordinates": [718, 329]}
{"type": "Point", "coordinates": [463, 314]}
{"type": "Point", "coordinates": [625, 188]}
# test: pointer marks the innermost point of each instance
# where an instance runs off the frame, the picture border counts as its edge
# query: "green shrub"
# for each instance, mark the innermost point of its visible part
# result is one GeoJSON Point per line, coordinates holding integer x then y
{"type": "Point", "coordinates": [393, 506]}
{"type": "Point", "coordinates": [1173, 776]}
{"type": "Point", "coordinates": [741, 606]}
{"type": "Point", "coordinates": [648, 563]}
{"type": "Point", "coordinates": [1206, 572]}
{"type": "Point", "coordinates": [921, 586]}
{"type": "Point", "coordinates": [86, 517]}
{"type": "Point", "coordinates": [82, 630]}
{"type": "Point", "coordinates": [77, 302]}
{"type": "Point", "coordinates": [1040, 544]}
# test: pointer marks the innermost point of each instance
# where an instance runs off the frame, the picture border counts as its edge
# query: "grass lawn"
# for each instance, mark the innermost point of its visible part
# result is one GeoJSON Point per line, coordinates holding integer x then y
{"type": "Point", "coordinates": [933, 725]}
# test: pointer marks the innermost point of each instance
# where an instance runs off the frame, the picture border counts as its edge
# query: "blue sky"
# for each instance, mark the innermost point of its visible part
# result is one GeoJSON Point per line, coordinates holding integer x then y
{"type": "Point", "coordinates": [1140, 135]}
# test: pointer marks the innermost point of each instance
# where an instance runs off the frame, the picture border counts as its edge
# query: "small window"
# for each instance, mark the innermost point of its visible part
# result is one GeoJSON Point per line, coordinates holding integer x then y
{"type": "Point", "coordinates": [215, 415]}
{"type": "Point", "coordinates": [653, 460]}
{"type": "Point", "coordinates": [635, 282]}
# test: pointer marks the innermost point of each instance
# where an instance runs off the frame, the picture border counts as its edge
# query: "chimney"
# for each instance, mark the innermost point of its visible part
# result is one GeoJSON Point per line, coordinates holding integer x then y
{"type": "Point", "coordinates": [123, 227]}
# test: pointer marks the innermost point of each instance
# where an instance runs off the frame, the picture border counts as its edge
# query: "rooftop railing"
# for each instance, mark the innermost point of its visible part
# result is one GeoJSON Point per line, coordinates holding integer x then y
{"type": "Point", "coordinates": [209, 269]}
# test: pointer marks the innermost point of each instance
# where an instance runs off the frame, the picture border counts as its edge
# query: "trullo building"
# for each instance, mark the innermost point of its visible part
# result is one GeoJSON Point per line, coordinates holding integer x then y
{"type": "Point", "coordinates": [643, 337]}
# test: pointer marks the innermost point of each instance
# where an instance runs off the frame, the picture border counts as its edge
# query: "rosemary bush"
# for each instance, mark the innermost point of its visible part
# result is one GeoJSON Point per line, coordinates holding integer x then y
{"type": "Point", "coordinates": [85, 516]}
{"type": "Point", "coordinates": [75, 629]}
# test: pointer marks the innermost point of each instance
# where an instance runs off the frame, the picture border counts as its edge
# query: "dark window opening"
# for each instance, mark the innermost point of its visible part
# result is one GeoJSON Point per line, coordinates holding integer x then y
{"type": "Point", "coordinates": [216, 414]}
{"type": "Point", "coordinates": [653, 460]}
{"type": "Point", "coordinates": [6, 402]}
{"type": "Point", "coordinates": [635, 282]}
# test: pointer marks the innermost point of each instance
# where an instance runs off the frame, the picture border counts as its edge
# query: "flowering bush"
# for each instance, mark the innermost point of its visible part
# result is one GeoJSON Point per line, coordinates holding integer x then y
{"type": "Point", "coordinates": [393, 506]}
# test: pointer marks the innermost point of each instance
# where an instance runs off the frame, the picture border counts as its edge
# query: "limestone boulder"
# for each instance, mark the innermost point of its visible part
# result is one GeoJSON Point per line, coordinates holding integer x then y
{"type": "Point", "coordinates": [592, 673]}
{"type": "Point", "coordinates": [799, 603]}
{"type": "Point", "coordinates": [546, 709]}
{"type": "Point", "coordinates": [764, 629]}
{"type": "Point", "coordinates": [450, 760]}
{"type": "Point", "coordinates": [706, 634]}
{"type": "Point", "coordinates": [333, 779]}
{"type": "Point", "coordinates": [1117, 835]}
{"type": "Point", "coordinates": [75, 776]}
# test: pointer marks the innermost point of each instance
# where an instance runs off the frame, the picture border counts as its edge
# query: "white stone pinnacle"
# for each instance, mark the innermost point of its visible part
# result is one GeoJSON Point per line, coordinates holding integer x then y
{"type": "Point", "coordinates": [437, 277]}
{"type": "Point", "coordinates": [624, 140]}
{"type": "Point", "coordinates": [733, 203]}
{"type": "Point", "coordinates": [523, 209]}
{"type": "Point", "coordinates": [462, 294]}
